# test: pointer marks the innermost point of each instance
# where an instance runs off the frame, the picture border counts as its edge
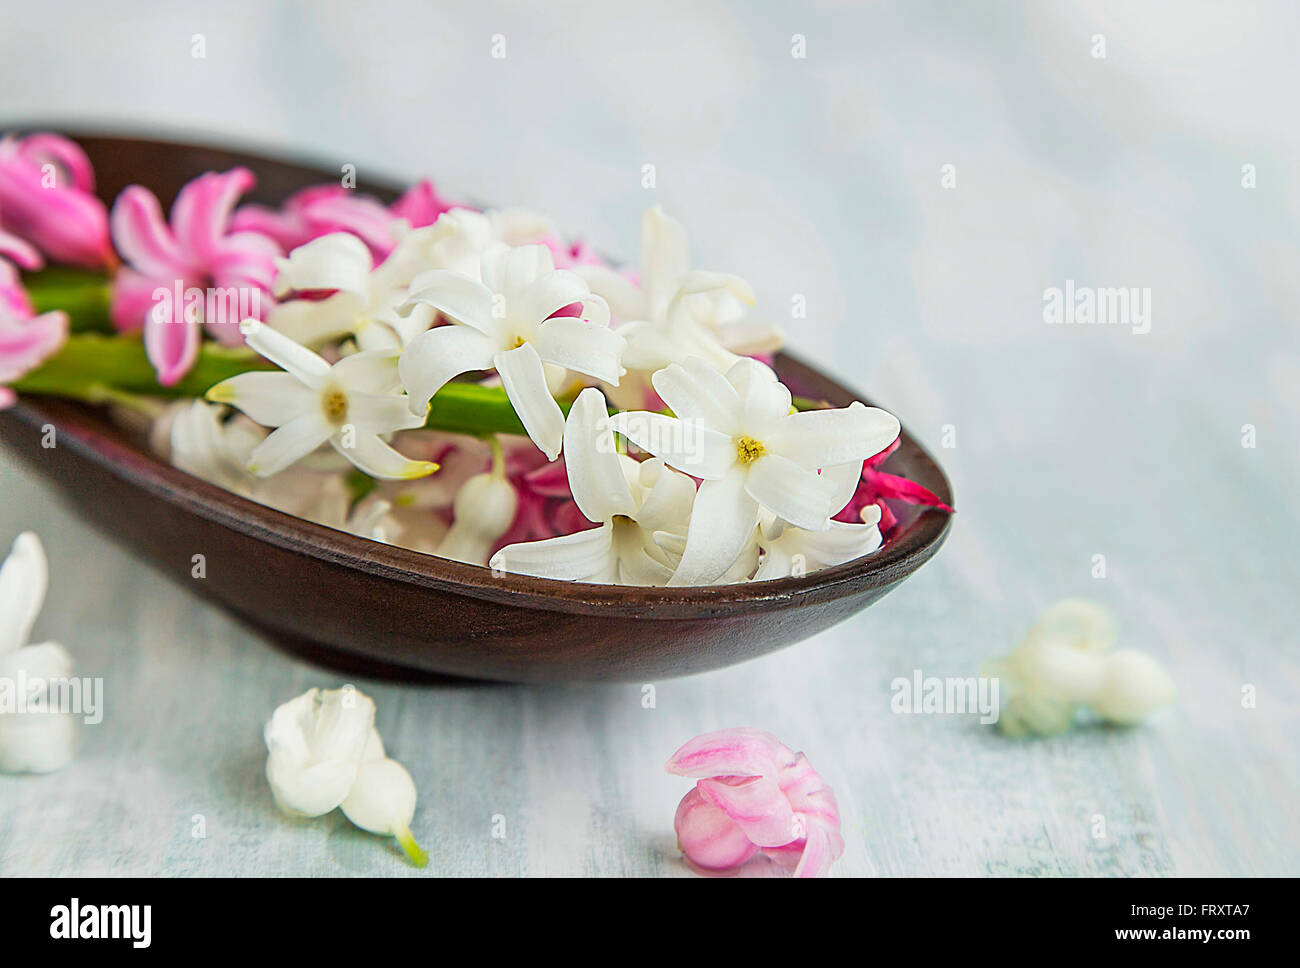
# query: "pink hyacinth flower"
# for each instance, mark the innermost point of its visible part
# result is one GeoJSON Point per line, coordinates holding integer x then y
{"type": "Point", "coordinates": [754, 794]}
{"type": "Point", "coordinates": [421, 205]}
{"type": "Point", "coordinates": [320, 210]}
{"type": "Point", "coordinates": [47, 197]}
{"type": "Point", "coordinates": [875, 487]}
{"type": "Point", "coordinates": [25, 340]}
{"type": "Point", "coordinates": [196, 250]}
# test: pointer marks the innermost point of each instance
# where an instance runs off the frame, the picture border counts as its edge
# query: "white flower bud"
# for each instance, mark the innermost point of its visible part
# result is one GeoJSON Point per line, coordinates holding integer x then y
{"type": "Point", "coordinates": [1135, 686]}
{"type": "Point", "coordinates": [484, 509]}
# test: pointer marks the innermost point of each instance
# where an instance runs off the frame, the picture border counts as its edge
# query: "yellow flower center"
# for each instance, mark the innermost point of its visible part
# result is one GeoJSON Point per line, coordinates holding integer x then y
{"type": "Point", "coordinates": [335, 404]}
{"type": "Point", "coordinates": [749, 450]}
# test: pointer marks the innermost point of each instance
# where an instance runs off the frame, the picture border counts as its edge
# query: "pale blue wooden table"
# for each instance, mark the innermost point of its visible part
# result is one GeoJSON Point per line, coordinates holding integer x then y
{"type": "Point", "coordinates": [818, 177]}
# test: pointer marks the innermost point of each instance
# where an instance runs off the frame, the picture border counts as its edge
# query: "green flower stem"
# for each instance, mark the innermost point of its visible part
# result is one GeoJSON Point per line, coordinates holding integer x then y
{"type": "Point", "coordinates": [98, 369]}
{"type": "Point", "coordinates": [98, 366]}
{"type": "Point", "coordinates": [82, 294]}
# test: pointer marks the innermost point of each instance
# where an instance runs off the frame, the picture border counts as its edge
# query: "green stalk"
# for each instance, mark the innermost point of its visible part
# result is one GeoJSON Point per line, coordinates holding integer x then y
{"type": "Point", "coordinates": [82, 294]}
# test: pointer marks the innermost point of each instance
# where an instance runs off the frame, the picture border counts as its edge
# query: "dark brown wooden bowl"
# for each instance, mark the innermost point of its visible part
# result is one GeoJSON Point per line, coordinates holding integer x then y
{"type": "Point", "coordinates": [358, 599]}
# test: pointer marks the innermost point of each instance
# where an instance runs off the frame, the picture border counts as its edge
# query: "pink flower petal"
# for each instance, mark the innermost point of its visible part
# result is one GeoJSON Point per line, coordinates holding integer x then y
{"type": "Point", "coordinates": [172, 345]}
{"type": "Point", "coordinates": [730, 752]}
{"type": "Point", "coordinates": [144, 239]}
{"type": "Point", "coordinates": [26, 343]}
{"type": "Point", "coordinates": [421, 205]}
{"type": "Point", "coordinates": [757, 806]}
{"type": "Point", "coordinates": [202, 210]}
{"type": "Point", "coordinates": [44, 148]}
{"type": "Point", "coordinates": [708, 837]}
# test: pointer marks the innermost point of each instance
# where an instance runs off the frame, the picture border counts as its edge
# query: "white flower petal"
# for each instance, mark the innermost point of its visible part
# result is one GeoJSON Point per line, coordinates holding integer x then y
{"type": "Point", "coordinates": [382, 800]}
{"type": "Point", "coordinates": [693, 390]}
{"type": "Point", "coordinates": [766, 401]}
{"type": "Point", "coordinates": [316, 743]}
{"type": "Point", "coordinates": [435, 356]}
{"type": "Point", "coordinates": [370, 371]}
{"type": "Point", "coordinates": [581, 345]}
{"type": "Point", "coordinates": [339, 260]}
{"type": "Point", "coordinates": [664, 258]}
{"type": "Point", "coordinates": [293, 440]}
{"type": "Point", "coordinates": [581, 556]}
{"type": "Point", "coordinates": [592, 461]}
{"type": "Point", "coordinates": [842, 480]}
{"type": "Point", "coordinates": [794, 493]}
{"type": "Point", "coordinates": [313, 322]}
{"type": "Point", "coordinates": [625, 299]}
{"type": "Point", "coordinates": [38, 742]}
{"type": "Point", "coordinates": [371, 455]}
{"type": "Point", "coordinates": [23, 581]}
{"type": "Point", "coordinates": [722, 524]}
{"type": "Point", "coordinates": [46, 660]}
{"type": "Point", "coordinates": [271, 399]}
{"type": "Point", "coordinates": [525, 265]}
{"type": "Point", "coordinates": [823, 438]}
{"type": "Point", "coordinates": [288, 355]}
{"type": "Point", "coordinates": [685, 444]}
{"type": "Point", "coordinates": [464, 299]}
{"type": "Point", "coordinates": [311, 791]}
{"type": "Point", "coordinates": [550, 294]}
{"type": "Point", "coordinates": [667, 497]}
{"type": "Point", "coordinates": [524, 380]}
{"type": "Point", "coordinates": [381, 413]}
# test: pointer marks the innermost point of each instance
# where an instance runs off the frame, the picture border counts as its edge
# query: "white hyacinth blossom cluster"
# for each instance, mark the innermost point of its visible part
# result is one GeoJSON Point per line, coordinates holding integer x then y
{"type": "Point", "coordinates": [705, 473]}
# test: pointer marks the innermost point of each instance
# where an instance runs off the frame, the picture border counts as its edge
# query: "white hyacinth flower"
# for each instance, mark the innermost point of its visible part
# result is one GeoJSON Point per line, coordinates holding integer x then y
{"type": "Point", "coordinates": [506, 322]}
{"type": "Point", "coordinates": [1064, 664]}
{"type": "Point", "coordinates": [638, 507]}
{"type": "Point", "coordinates": [34, 738]}
{"type": "Point", "coordinates": [365, 298]}
{"type": "Point", "coordinates": [737, 434]}
{"type": "Point", "coordinates": [349, 405]}
{"type": "Point", "coordinates": [324, 752]}
{"type": "Point", "coordinates": [788, 550]}
{"type": "Point", "coordinates": [675, 312]}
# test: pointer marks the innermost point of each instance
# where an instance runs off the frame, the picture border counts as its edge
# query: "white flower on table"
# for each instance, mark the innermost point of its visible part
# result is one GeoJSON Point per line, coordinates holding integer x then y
{"type": "Point", "coordinates": [507, 322]}
{"type": "Point", "coordinates": [639, 507]}
{"type": "Point", "coordinates": [1065, 663]}
{"type": "Point", "coordinates": [677, 312]}
{"type": "Point", "coordinates": [349, 405]}
{"type": "Point", "coordinates": [324, 752]}
{"type": "Point", "coordinates": [737, 434]}
{"type": "Point", "coordinates": [33, 737]}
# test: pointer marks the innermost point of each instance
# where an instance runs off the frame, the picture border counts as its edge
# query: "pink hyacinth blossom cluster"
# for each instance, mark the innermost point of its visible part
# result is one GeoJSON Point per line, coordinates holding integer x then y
{"type": "Point", "coordinates": [197, 248]}
{"type": "Point", "coordinates": [26, 340]}
{"type": "Point", "coordinates": [47, 199]}
{"type": "Point", "coordinates": [754, 795]}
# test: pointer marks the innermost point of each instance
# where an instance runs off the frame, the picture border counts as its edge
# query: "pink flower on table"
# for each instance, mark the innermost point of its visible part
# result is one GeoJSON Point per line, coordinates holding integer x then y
{"type": "Point", "coordinates": [570, 254]}
{"type": "Point", "coordinates": [25, 340]}
{"type": "Point", "coordinates": [875, 487]}
{"type": "Point", "coordinates": [197, 249]}
{"type": "Point", "coordinates": [47, 197]}
{"type": "Point", "coordinates": [754, 794]}
{"type": "Point", "coordinates": [321, 210]}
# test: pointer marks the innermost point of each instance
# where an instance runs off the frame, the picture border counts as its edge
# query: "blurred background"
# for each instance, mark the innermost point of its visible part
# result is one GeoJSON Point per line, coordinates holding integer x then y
{"type": "Point", "coordinates": [807, 148]}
